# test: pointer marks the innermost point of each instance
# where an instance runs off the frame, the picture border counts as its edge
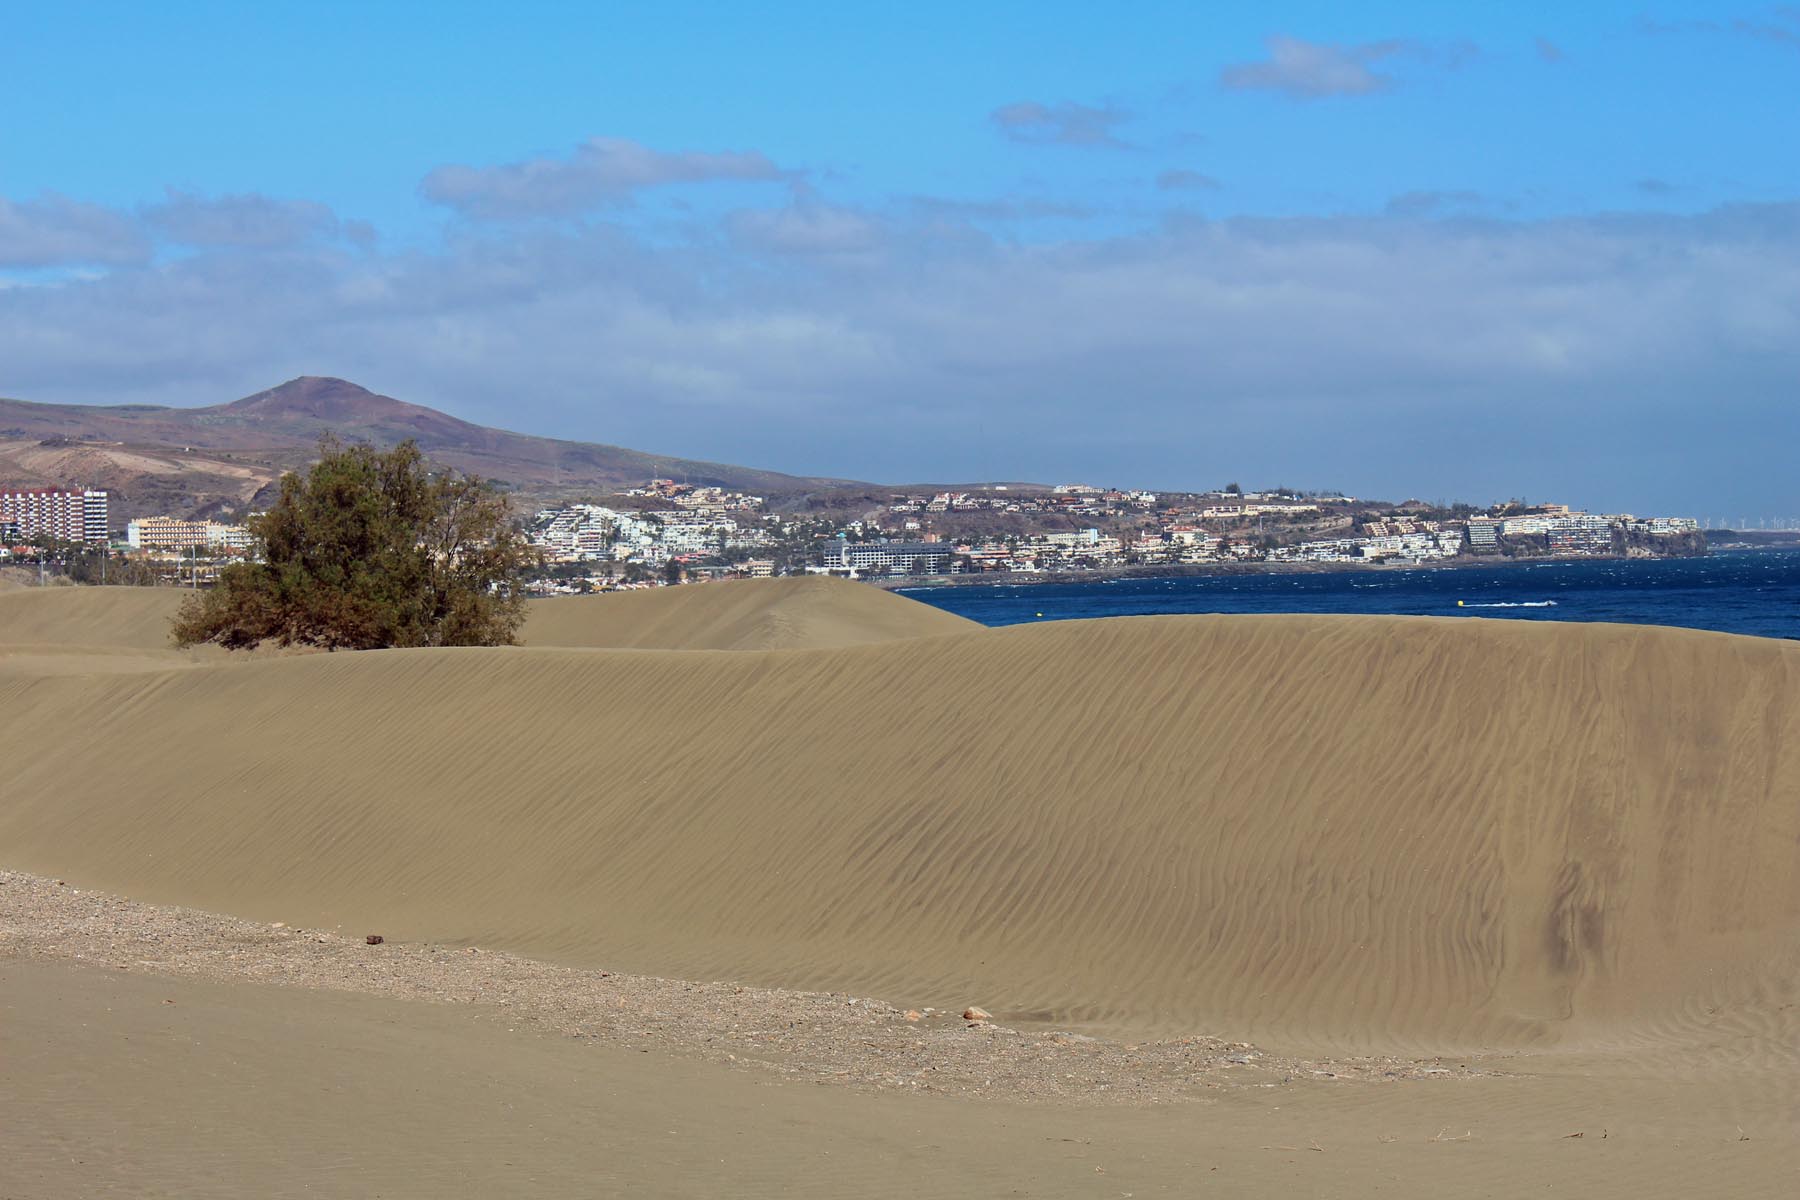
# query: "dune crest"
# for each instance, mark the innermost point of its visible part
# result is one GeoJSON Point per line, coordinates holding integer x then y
{"type": "Point", "coordinates": [109, 618]}
{"type": "Point", "coordinates": [800, 612]}
{"type": "Point", "coordinates": [1362, 831]}
{"type": "Point", "coordinates": [749, 614]}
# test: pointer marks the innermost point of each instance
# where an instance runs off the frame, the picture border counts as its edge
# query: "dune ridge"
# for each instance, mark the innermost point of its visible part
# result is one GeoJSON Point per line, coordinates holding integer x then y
{"type": "Point", "coordinates": [800, 612]}
{"type": "Point", "coordinates": [1382, 832]}
{"type": "Point", "coordinates": [97, 618]}
{"type": "Point", "coordinates": [811, 612]}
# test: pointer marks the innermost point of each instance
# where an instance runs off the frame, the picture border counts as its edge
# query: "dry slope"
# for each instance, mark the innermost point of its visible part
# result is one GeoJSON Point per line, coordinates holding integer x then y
{"type": "Point", "coordinates": [809, 612]}
{"type": "Point", "coordinates": [1360, 831]}
{"type": "Point", "coordinates": [113, 618]}
{"type": "Point", "coordinates": [760, 614]}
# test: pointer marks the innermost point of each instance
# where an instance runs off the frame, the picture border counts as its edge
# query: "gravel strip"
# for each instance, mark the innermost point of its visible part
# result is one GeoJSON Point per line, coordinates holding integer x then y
{"type": "Point", "coordinates": [828, 1037]}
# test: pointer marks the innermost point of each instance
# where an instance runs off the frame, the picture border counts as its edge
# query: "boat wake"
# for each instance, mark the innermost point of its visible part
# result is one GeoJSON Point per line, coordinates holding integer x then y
{"type": "Point", "coordinates": [1508, 604]}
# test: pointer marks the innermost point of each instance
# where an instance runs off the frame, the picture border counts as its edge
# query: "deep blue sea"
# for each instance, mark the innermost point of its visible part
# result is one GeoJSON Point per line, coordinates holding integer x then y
{"type": "Point", "coordinates": [1754, 592]}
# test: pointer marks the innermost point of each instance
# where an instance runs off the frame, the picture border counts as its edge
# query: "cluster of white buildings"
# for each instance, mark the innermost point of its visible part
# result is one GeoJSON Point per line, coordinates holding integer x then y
{"type": "Point", "coordinates": [712, 531]}
{"type": "Point", "coordinates": [578, 532]}
{"type": "Point", "coordinates": [1078, 499]}
{"type": "Point", "coordinates": [1566, 532]}
{"type": "Point", "coordinates": [1239, 510]}
{"type": "Point", "coordinates": [1415, 547]}
{"type": "Point", "coordinates": [1661, 526]}
{"type": "Point", "coordinates": [1563, 530]}
{"type": "Point", "coordinates": [596, 533]}
{"type": "Point", "coordinates": [70, 515]}
{"type": "Point", "coordinates": [1395, 539]}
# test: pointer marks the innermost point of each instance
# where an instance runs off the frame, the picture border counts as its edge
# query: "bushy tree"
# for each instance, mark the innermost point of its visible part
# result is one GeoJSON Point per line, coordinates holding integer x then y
{"type": "Point", "coordinates": [370, 549]}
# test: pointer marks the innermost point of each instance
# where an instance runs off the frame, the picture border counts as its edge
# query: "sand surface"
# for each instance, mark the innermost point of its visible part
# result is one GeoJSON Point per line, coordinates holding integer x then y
{"type": "Point", "coordinates": [772, 614]}
{"type": "Point", "coordinates": [156, 1051]}
{"type": "Point", "coordinates": [93, 618]}
{"type": "Point", "coordinates": [1567, 857]}
{"type": "Point", "coordinates": [763, 614]}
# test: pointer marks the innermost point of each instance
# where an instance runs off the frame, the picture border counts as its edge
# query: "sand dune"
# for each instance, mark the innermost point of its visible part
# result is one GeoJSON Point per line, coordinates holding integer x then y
{"type": "Point", "coordinates": [112, 618]}
{"type": "Point", "coordinates": [772, 614]}
{"type": "Point", "coordinates": [124, 1084]}
{"type": "Point", "coordinates": [1352, 831]}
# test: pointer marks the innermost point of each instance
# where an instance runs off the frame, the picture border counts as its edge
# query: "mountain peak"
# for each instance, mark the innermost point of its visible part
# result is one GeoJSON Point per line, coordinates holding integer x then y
{"type": "Point", "coordinates": [227, 453]}
{"type": "Point", "coordinates": [313, 404]}
{"type": "Point", "coordinates": [320, 397]}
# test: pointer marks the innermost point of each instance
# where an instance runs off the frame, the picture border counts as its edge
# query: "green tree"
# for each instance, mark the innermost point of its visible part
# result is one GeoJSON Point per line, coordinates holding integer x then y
{"type": "Point", "coordinates": [370, 549]}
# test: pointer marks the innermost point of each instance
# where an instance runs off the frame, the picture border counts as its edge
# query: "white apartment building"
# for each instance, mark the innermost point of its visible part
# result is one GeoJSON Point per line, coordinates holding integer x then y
{"type": "Point", "coordinates": [174, 533]}
{"type": "Point", "coordinates": [883, 558]}
{"type": "Point", "coordinates": [61, 513]}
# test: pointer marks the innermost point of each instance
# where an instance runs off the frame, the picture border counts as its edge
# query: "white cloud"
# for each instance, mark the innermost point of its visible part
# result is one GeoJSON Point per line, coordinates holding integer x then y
{"type": "Point", "coordinates": [1310, 70]}
{"type": "Point", "coordinates": [600, 172]}
{"type": "Point", "coordinates": [249, 221]}
{"type": "Point", "coordinates": [54, 231]}
{"type": "Point", "coordinates": [1181, 180]}
{"type": "Point", "coordinates": [1452, 354]}
{"type": "Point", "coordinates": [1434, 204]}
{"type": "Point", "coordinates": [806, 227]}
{"type": "Point", "coordinates": [1065, 124]}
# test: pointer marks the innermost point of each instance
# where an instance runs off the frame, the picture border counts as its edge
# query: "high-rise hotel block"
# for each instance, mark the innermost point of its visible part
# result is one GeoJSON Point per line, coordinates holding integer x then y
{"type": "Point", "coordinates": [61, 513]}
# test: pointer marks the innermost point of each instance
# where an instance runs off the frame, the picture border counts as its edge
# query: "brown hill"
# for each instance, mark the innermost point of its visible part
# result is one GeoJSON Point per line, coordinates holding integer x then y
{"type": "Point", "coordinates": [1351, 831]}
{"type": "Point", "coordinates": [184, 460]}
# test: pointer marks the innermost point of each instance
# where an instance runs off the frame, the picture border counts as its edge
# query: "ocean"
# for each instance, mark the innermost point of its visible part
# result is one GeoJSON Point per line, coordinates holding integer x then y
{"type": "Point", "coordinates": [1751, 592]}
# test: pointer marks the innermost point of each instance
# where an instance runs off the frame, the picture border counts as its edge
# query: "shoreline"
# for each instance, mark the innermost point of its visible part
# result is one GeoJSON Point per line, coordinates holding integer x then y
{"type": "Point", "coordinates": [1225, 570]}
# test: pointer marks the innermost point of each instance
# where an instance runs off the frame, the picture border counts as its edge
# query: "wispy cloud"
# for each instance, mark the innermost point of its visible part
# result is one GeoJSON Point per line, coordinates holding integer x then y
{"type": "Point", "coordinates": [998, 210]}
{"type": "Point", "coordinates": [1311, 70]}
{"type": "Point", "coordinates": [1548, 50]}
{"type": "Point", "coordinates": [55, 231]}
{"type": "Point", "coordinates": [1063, 124]}
{"type": "Point", "coordinates": [807, 226]}
{"type": "Point", "coordinates": [599, 172]}
{"type": "Point", "coordinates": [1779, 25]}
{"type": "Point", "coordinates": [1181, 180]}
{"type": "Point", "coordinates": [250, 221]}
{"type": "Point", "coordinates": [1414, 205]}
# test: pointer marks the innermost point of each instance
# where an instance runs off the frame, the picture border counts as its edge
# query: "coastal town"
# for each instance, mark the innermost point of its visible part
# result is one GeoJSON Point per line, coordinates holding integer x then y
{"type": "Point", "coordinates": [667, 531]}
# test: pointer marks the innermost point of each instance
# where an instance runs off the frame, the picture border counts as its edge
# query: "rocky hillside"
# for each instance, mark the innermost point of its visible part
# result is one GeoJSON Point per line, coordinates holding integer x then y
{"type": "Point", "coordinates": [222, 457]}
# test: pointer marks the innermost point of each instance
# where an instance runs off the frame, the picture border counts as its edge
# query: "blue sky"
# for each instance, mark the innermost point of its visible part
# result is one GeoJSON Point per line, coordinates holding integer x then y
{"type": "Point", "coordinates": [1447, 250]}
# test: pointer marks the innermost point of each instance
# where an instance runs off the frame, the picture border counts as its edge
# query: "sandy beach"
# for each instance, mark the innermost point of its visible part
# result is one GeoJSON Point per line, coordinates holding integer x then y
{"type": "Point", "coordinates": [1259, 905]}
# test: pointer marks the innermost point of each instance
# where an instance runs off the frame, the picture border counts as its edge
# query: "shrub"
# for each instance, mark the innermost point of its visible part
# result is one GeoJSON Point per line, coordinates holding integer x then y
{"type": "Point", "coordinates": [370, 549]}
